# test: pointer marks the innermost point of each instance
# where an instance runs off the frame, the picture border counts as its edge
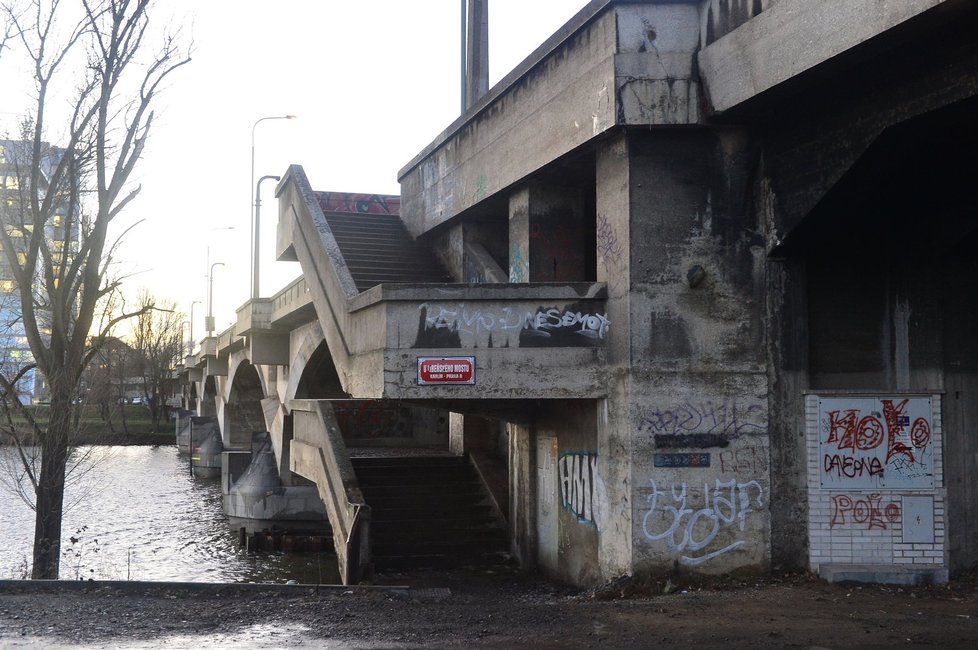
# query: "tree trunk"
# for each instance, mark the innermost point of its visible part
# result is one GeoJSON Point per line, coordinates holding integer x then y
{"type": "Point", "coordinates": [50, 492]}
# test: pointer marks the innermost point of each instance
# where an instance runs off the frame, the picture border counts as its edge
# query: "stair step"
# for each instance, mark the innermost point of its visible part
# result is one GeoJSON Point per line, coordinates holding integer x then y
{"type": "Point", "coordinates": [385, 476]}
{"type": "Point", "coordinates": [483, 523]}
{"type": "Point", "coordinates": [406, 562]}
{"type": "Point", "coordinates": [443, 547]}
{"type": "Point", "coordinates": [404, 461]}
{"type": "Point", "coordinates": [361, 217]}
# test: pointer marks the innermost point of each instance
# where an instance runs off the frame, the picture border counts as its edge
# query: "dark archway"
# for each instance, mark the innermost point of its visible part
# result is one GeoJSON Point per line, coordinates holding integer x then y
{"type": "Point", "coordinates": [244, 414]}
{"type": "Point", "coordinates": [891, 286]}
{"type": "Point", "coordinates": [319, 378]}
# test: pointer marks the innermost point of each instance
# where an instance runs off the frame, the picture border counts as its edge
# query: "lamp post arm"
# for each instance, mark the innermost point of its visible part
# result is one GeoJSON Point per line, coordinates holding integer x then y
{"type": "Point", "coordinates": [253, 216]}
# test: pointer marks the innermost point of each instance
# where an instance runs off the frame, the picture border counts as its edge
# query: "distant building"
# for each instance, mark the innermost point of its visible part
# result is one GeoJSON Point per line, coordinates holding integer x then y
{"type": "Point", "coordinates": [15, 352]}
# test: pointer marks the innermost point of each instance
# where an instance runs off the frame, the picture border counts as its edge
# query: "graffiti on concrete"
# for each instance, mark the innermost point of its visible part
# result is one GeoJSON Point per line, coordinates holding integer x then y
{"type": "Point", "coordinates": [517, 264]}
{"type": "Point", "coordinates": [691, 532]}
{"type": "Point", "coordinates": [609, 247]}
{"type": "Point", "coordinates": [577, 474]}
{"type": "Point", "coordinates": [681, 460]}
{"type": "Point", "coordinates": [863, 509]}
{"type": "Point", "coordinates": [373, 419]}
{"type": "Point", "coordinates": [359, 203]}
{"type": "Point", "coordinates": [750, 458]}
{"type": "Point", "coordinates": [544, 327]}
{"type": "Point", "coordinates": [875, 442]}
{"type": "Point", "coordinates": [481, 184]}
{"type": "Point", "coordinates": [703, 423]}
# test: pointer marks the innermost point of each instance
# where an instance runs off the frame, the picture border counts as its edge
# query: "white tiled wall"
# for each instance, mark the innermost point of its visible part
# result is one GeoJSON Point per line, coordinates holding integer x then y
{"type": "Point", "coordinates": [859, 542]}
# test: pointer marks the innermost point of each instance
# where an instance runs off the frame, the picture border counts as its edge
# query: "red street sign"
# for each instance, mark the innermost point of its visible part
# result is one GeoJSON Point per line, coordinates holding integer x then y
{"type": "Point", "coordinates": [446, 370]}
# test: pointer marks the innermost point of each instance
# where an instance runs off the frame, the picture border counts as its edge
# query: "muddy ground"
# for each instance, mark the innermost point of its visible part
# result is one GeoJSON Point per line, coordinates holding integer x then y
{"type": "Point", "coordinates": [500, 609]}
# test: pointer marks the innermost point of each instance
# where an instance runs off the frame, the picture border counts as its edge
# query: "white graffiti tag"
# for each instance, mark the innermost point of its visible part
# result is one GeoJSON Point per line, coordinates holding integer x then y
{"type": "Point", "coordinates": [692, 530]}
{"type": "Point", "coordinates": [539, 323]}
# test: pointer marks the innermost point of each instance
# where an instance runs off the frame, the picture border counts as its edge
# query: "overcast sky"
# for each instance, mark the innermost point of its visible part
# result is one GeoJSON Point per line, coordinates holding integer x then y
{"type": "Point", "coordinates": [372, 83]}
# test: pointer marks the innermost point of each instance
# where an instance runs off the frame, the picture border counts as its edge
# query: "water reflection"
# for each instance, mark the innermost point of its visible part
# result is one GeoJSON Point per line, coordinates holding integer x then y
{"type": "Point", "coordinates": [141, 516]}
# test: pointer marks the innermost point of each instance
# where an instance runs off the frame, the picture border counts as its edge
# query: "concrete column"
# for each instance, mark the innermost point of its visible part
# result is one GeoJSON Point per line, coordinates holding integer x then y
{"type": "Point", "coordinates": [698, 387]}
{"type": "Point", "coordinates": [519, 236]}
{"type": "Point", "coordinates": [788, 359]}
{"type": "Point", "coordinates": [551, 235]}
{"type": "Point", "coordinates": [522, 495]}
{"type": "Point", "coordinates": [613, 414]}
{"type": "Point", "coordinates": [456, 434]}
{"type": "Point", "coordinates": [477, 51]}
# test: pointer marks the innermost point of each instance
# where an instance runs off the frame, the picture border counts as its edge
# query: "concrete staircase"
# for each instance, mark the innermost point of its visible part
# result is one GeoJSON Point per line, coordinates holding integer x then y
{"type": "Point", "coordinates": [378, 249]}
{"type": "Point", "coordinates": [429, 512]}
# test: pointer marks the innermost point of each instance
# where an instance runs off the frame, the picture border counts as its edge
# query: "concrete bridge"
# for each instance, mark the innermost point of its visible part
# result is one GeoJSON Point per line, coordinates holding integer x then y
{"type": "Point", "coordinates": [667, 288]}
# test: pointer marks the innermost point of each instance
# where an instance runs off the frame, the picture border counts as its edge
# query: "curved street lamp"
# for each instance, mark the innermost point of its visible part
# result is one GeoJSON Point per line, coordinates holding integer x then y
{"type": "Point", "coordinates": [254, 214]}
{"type": "Point", "coordinates": [209, 324]}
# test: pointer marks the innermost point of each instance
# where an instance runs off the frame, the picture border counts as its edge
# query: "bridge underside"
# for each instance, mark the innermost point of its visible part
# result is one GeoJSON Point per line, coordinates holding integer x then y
{"type": "Point", "coordinates": [637, 307]}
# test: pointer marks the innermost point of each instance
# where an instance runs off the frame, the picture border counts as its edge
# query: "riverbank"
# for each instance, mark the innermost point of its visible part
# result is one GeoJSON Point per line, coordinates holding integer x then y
{"type": "Point", "coordinates": [123, 424]}
{"type": "Point", "coordinates": [500, 609]}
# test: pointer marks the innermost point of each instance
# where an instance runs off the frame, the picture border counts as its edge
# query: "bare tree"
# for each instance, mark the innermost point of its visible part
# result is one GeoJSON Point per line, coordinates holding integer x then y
{"type": "Point", "coordinates": [156, 342]}
{"type": "Point", "coordinates": [54, 238]}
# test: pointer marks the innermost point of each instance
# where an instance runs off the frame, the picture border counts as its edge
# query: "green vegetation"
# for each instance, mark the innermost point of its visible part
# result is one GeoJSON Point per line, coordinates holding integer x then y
{"type": "Point", "coordinates": [92, 429]}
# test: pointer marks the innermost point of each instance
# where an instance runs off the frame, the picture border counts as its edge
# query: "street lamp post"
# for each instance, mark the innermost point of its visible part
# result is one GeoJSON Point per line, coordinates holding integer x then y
{"type": "Point", "coordinates": [254, 261]}
{"type": "Point", "coordinates": [209, 324]}
{"type": "Point", "coordinates": [254, 215]}
{"type": "Point", "coordinates": [195, 302]}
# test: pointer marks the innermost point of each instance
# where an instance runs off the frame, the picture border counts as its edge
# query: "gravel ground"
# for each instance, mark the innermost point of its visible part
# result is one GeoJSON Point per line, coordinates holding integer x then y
{"type": "Point", "coordinates": [500, 609]}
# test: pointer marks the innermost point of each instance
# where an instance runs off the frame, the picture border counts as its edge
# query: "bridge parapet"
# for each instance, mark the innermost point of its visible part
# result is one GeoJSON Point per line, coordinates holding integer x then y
{"type": "Point", "coordinates": [522, 341]}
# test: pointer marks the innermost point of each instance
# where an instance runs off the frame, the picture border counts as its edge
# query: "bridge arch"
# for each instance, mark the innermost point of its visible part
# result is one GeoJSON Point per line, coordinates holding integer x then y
{"type": "Point", "coordinates": [312, 374]}
{"type": "Point", "coordinates": [243, 414]}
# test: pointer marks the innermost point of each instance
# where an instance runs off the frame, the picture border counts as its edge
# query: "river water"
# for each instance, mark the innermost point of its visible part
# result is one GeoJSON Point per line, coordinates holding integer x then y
{"type": "Point", "coordinates": [137, 514]}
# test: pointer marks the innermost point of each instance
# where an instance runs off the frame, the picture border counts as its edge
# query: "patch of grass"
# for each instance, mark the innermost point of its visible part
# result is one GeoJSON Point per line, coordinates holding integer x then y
{"type": "Point", "coordinates": [92, 429]}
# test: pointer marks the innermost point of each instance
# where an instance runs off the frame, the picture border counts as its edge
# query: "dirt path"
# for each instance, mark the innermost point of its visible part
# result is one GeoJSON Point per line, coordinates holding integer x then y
{"type": "Point", "coordinates": [466, 609]}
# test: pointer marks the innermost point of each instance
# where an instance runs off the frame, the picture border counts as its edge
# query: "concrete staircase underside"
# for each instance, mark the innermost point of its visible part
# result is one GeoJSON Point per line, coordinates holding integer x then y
{"type": "Point", "coordinates": [429, 511]}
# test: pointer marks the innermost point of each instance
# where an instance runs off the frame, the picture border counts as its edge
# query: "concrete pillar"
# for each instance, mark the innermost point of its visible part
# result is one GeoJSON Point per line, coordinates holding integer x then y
{"type": "Point", "coordinates": [519, 236]}
{"type": "Point", "coordinates": [477, 51]}
{"type": "Point", "coordinates": [698, 387]}
{"type": "Point", "coordinates": [522, 495]}
{"type": "Point", "coordinates": [551, 235]}
{"type": "Point", "coordinates": [472, 434]}
{"type": "Point", "coordinates": [787, 317]}
{"type": "Point", "coordinates": [615, 413]}
{"type": "Point", "coordinates": [464, 252]}
{"type": "Point", "coordinates": [456, 434]}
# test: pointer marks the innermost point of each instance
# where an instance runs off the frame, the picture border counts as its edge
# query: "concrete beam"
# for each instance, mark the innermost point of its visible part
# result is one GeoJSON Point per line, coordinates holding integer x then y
{"type": "Point", "coordinates": [791, 37]}
{"type": "Point", "coordinates": [269, 348]}
{"type": "Point", "coordinates": [217, 366]}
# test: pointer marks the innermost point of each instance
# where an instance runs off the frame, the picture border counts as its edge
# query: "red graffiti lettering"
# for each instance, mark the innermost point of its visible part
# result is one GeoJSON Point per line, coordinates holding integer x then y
{"type": "Point", "coordinates": [920, 433]}
{"type": "Point", "coordinates": [892, 415]}
{"type": "Point", "coordinates": [866, 510]}
{"type": "Point", "coordinates": [857, 433]}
